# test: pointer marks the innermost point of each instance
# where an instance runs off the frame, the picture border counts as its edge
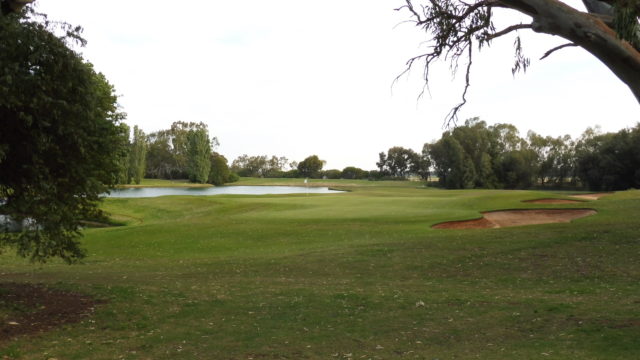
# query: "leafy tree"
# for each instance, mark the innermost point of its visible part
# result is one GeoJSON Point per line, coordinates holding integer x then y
{"type": "Point", "coordinates": [220, 173]}
{"type": "Point", "coordinates": [352, 172]}
{"type": "Point", "coordinates": [332, 174]}
{"type": "Point", "coordinates": [161, 163]}
{"type": "Point", "coordinates": [453, 166]}
{"type": "Point", "coordinates": [122, 176]}
{"type": "Point", "coordinates": [170, 156]}
{"type": "Point", "coordinates": [198, 155]}
{"type": "Point", "coordinates": [399, 162]}
{"type": "Point", "coordinates": [553, 157]}
{"type": "Point", "coordinates": [61, 144]}
{"type": "Point", "coordinates": [310, 167]}
{"type": "Point", "coordinates": [137, 156]}
{"type": "Point", "coordinates": [8, 7]}
{"type": "Point", "coordinates": [515, 169]}
{"type": "Point", "coordinates": [457, 28]}
{"type": "Point", "coordinates": [259, 166]}
{"type": "Point", "coordinates": [382, 163]}
{"type": "Point", "coordinates": [609, 161]}
{"type": "Point", "coordinates": [478, 143]}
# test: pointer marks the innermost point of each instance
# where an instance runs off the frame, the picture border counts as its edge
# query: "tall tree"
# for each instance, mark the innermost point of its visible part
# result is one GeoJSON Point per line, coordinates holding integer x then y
{"type": "Point", "coordinates": [457, 28]}
{"type": "Point", "coordinates": [161, 163]}
{"type": "Point", "coordinates": [137, 155]}
{"type": "Point", "coordinates": [60, 144]}
{"type": "Point", "coordinates": [198, 155]}
{"type": "Point", "coordinates": [453, 166]}
{"type": "Point", "coordinates": [122, 176]}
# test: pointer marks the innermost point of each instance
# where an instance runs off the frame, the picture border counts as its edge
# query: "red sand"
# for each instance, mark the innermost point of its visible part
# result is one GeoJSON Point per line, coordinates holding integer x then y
{"type": "Point", "coordinates": [507, 218]}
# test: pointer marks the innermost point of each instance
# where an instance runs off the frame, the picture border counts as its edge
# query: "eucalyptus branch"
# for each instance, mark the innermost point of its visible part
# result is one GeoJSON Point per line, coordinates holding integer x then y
{"type": "Point", "coordinates": [507, 30]}
{"type": "Point", "coordinates": [551, 51]}
{"type": "Point", "coordinates": [452, 117]}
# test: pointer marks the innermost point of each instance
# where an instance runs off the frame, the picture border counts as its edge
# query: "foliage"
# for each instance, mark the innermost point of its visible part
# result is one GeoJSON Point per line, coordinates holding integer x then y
{"type": "Point", "coordinates": [400, 162]}
{"type": "Point", "coordinates": [310, 167]}
{"type": "Point", "coordinates": [331, 174]}
{"type": "Point", "coordinates": [352, 172]}
{"type": "Point", "coordinates": [137, 156]}
{"type": "Point", "coordinates": [161, 164]}
{"type": "Point", "coordinates": [259, 166]}
{"type": "Point", "coordinates": [198, 155]}
{"type": "Point", "coordinates": [123, 176]}
{"type": "Point", "coordinates": [220, 173]}
{"type": "Point", "coordinates": [609, 161]}
{"type": "Point", "coordinates": [180, 152]}
{"type": "Point", "coordinates": [61, 145]}
{"type": "Point", "coordinates": [477, 155]}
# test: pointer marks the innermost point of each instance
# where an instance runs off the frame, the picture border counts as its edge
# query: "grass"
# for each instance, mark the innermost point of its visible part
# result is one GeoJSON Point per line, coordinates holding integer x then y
{"type": "Point", "coordinates": [348, 276]}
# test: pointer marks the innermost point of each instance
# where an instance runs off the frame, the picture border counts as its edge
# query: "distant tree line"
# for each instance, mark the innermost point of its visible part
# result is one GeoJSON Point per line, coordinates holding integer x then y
{"type": "Point", "coordinates": [476, 155]}
{"type": "Point", "coordinates": [280, 167]}
{"type": "Point", "coordinates": [184, 151]}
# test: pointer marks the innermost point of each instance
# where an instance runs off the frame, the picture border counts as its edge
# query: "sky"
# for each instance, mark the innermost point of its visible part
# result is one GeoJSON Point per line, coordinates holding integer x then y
{"type": "Point", "coordinates": [296, 77]}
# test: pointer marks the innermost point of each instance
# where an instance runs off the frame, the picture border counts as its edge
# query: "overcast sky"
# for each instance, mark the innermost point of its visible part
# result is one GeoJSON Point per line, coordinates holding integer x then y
{"type": "Point", "coordinates": [296, 77]}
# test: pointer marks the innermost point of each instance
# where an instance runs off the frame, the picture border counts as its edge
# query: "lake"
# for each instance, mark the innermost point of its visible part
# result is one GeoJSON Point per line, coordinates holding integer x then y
{"type": "Point", "coordinates": [218, 190]}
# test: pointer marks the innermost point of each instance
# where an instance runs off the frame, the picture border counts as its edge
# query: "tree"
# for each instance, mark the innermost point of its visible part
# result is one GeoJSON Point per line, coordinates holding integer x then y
{"type": "Point", "coordinates": [400, 162]}
{"type": "Point", "coordinates": [352, 172]}
{"type": "Point", "coordinates": [453, 166]}
{"type": "Point", "coordinates": [137, 156]}
{"type": "Point", "coordinates": [123, 176]}
{"type": "Point", "coordinates": [198, 155]}
{"type": "Point", "coordinates": [609, 161]}
{"type": "Point", "coordinates": [161, 163]}
{"type": "Point", "coordinates": [457, 27]}
{"type": "Point", "coordinates": [331, 174]}
{"type": "Point", "coordinates": [61, 143]}
{"type": "Point", "coordinates": [220, 173]}
{"type": "Point", "coordinates": [13, 6]}
{"type": "Point", "coordinates": [310, 167]}
{"type": "Point", "coordinates": [259, 166]}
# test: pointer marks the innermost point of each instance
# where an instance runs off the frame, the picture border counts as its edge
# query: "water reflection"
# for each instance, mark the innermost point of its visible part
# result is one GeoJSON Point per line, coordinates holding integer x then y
{"type": "Point", "coordinates": [218, 190]}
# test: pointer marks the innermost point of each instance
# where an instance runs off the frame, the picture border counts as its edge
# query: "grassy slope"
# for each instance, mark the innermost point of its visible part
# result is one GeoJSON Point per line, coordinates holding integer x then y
{"type": "Point", "coordinates": [361, 273]}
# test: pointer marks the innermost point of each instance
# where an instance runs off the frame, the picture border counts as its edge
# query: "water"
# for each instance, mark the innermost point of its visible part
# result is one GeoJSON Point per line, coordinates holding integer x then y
{"type": "Point", "coordinates": [218, 190]}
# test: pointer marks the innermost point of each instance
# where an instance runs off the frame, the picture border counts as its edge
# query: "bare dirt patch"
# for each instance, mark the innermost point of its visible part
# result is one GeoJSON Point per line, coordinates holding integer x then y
{"type": "Point", "coordinates": [507, 218]}
{"type": "Point", "coordinates": [594, 196]}
{"type": "Point", "coordinates": [553, 201]}
{"type": "Point", "coordinates": [31, 309]}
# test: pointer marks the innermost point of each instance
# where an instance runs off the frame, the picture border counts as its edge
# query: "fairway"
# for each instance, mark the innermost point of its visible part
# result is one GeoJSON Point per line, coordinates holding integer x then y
{"type": "Point", "coordinates": [357, 275]}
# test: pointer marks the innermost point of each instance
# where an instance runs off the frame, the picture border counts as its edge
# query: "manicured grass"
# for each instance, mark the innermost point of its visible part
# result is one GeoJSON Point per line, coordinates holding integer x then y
{"type": "Point", "coordinates": [352, 275]}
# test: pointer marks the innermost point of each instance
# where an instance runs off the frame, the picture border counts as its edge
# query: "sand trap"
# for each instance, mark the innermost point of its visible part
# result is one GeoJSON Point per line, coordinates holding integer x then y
{"type": "Point", "coordinates": [553, 201]}
{"type": "Point", "coordinates": [594, 196]}
{"type": "Point", "coordinates": [506, 218]}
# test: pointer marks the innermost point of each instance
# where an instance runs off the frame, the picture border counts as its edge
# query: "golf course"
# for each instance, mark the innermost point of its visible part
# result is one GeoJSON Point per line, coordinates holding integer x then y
{"type": "Point", "coordinates": [354, 275]}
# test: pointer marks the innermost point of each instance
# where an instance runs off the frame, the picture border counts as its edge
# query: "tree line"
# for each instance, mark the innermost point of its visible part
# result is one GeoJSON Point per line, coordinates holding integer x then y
{"type": "Point", "coordinates": [477, 155]}
{"type": "Point", "coordinates": [184, 151]}
{"type": "Point", "coordinates": [280, 167]}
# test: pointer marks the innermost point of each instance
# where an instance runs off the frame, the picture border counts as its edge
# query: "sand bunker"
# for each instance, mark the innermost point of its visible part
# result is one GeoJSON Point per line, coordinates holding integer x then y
{"type": "Point", "coordinates": [594, 196]}
{"type": "Point", "coordinates": [506, 218]}
{"type": "Point", "coordinates": [552, 201]}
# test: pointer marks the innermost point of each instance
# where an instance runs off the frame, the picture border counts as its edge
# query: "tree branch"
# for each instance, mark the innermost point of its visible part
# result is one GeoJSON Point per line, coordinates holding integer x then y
{"type": "Point", "coordinates": [507, 30]}
{"type": "Point", "coordinates": [551, 51]}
